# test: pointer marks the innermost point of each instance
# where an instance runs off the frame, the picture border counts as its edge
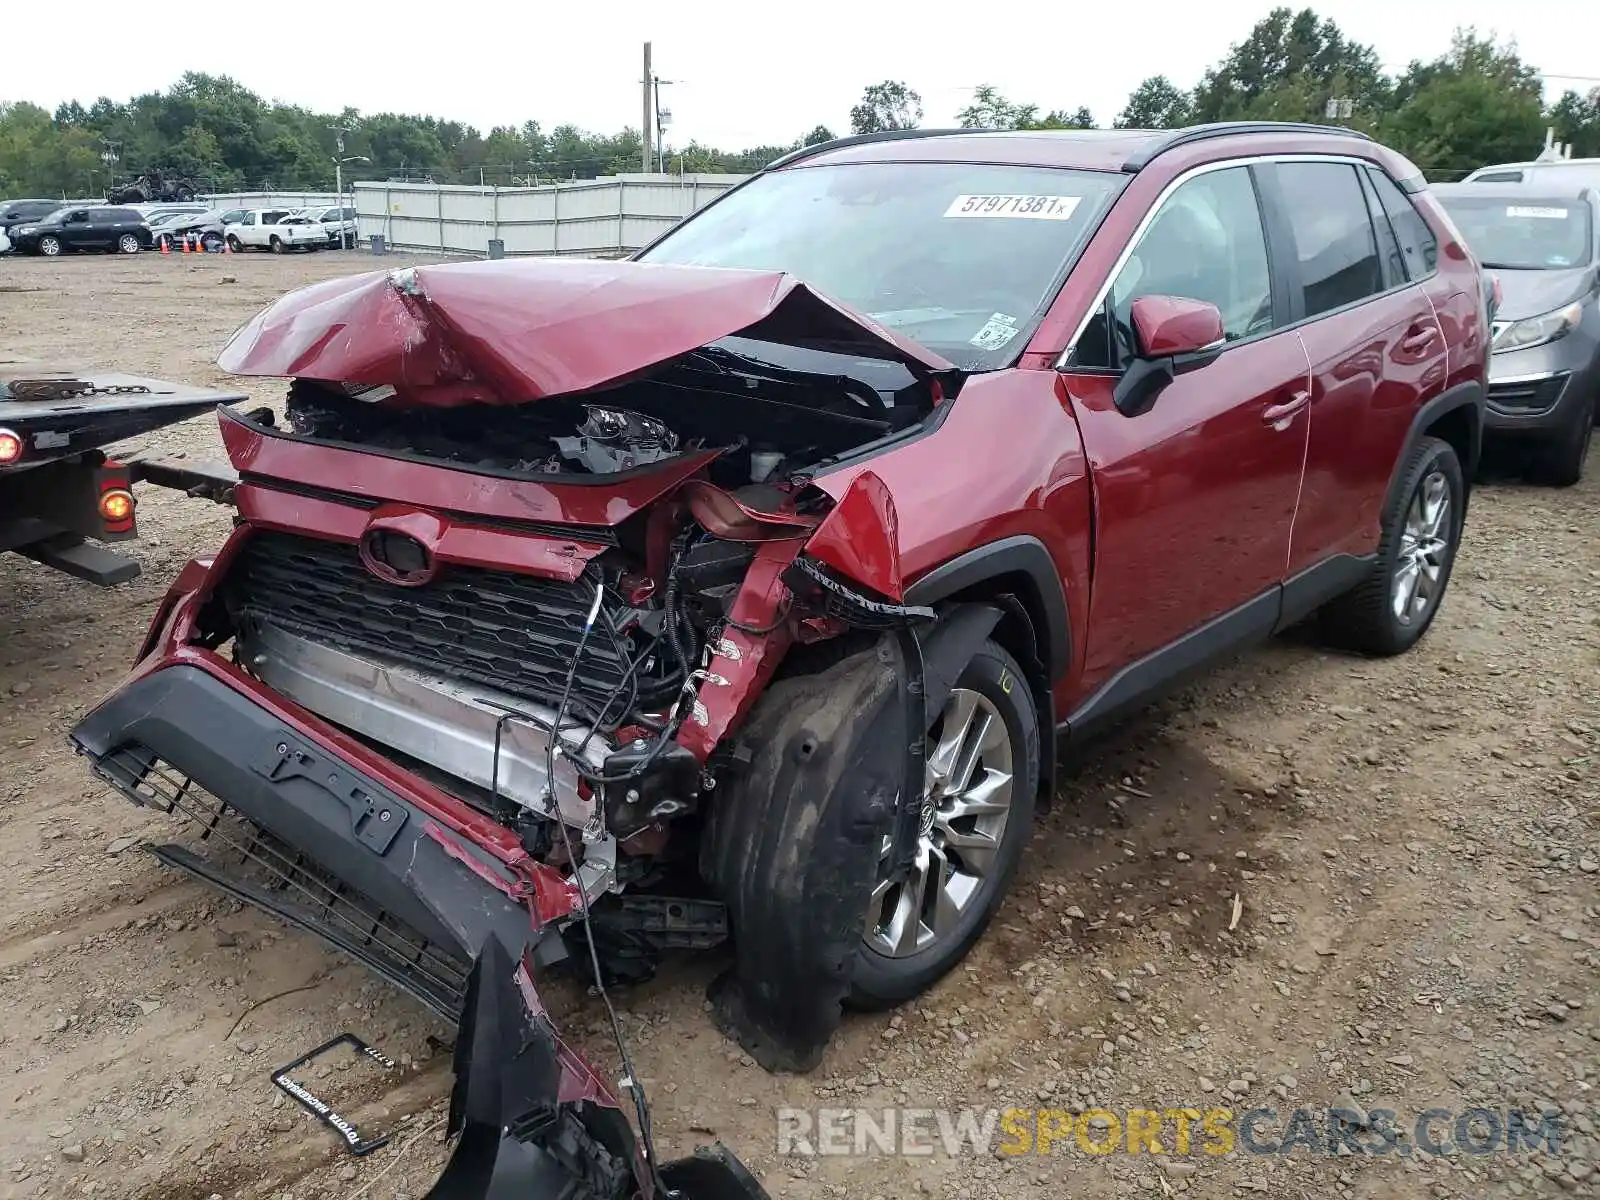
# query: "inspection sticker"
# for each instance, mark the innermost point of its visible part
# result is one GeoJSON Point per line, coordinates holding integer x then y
{"type": "Point", "coordinates": [996, 332]}
{"type": "Point", "coordinates": [1038, 208]}
{"type": "Point", "coordinates": [1524, 210]}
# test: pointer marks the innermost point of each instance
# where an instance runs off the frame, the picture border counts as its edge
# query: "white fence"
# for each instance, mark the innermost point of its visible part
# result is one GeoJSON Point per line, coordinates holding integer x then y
{"type": "Point", "coordinates": [588, 218]}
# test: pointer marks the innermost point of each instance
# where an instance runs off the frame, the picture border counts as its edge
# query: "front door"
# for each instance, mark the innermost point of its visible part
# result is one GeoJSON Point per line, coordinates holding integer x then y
{"type": "Point", "coordinates": [1194, 498]}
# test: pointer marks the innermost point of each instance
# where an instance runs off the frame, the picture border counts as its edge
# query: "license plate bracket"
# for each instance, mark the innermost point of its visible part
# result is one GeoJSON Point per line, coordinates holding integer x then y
{"type": "Point", "coordinates": [325, 1112]}
{"type": "Point", "coordinates": [375, 819]}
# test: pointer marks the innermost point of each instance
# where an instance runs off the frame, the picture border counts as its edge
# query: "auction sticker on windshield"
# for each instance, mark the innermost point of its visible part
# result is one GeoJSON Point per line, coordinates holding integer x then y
{"type": "Point", "coordinates": [1524, 210]}
{"type": "Point", "coordinates": [1039, 208]}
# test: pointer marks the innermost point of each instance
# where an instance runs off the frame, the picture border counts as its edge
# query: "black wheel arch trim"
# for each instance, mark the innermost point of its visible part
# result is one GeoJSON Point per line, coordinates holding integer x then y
{"type": "Point", "coordinates": [1471, 394]}
{"type": "Point", "coordinates": [1019, 554]}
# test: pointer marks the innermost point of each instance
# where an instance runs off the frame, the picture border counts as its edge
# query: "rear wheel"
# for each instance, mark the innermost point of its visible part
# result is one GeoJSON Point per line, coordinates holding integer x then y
{"type": "Point", "coordinates": [978, 798]}
{"type": "Point", "coordinates": [49, 246]}
{"type": "Point", "coordinates": [1395, 604]}
{"type": "Point", "coordinates": [276, 244]}
{"type": "Point", "coordinates": [128, 244]}
{"type": "Point", "coordinates": [1559, 463]}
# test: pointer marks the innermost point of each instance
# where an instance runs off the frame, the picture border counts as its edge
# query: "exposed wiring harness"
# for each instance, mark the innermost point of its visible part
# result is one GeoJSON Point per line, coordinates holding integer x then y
{"type": "Point", "coordinates": [630, 1077]}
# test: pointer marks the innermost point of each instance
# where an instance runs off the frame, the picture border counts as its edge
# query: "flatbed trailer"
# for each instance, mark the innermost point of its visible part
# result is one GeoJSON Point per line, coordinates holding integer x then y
{"type": "Point", "coordinates": [64, 501]}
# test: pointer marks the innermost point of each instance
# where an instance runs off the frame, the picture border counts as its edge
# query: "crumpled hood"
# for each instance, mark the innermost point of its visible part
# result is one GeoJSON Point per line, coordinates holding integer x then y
{"type": "Point", "coordinates": [1533, 293]}
{"type": "Point", "coordinates": [509, 332]}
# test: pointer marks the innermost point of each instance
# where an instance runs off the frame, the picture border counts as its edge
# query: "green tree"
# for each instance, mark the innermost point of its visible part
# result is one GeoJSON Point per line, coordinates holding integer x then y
{"type": "Point", "coordinates": [887, 105]}
{"type": "Point", "coordinates": [1157, 103]}
{"type": "Point", "coordinates": [1289, 67]}
{"type": "Point", "coordinates": [1478, 104]}
{"type": "Point", "coordinates": [817, 136]}
{"type": "Point", "coordinates": [1576, 120]}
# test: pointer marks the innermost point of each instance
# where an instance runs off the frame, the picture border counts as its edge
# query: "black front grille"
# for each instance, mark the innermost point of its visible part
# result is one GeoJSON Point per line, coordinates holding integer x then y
{"type": "Point", "coordinates": [1534, 396]}
{"type": "Point", "coordinates": [235, 854]}
{"type": "Point", "coordinates": [515, 633]}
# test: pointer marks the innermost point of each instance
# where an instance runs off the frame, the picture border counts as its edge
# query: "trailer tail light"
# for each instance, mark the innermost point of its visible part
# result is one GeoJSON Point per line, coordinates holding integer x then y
{"type": "Point", "coordinates": [11, 447]}
{"type": "Point", "coordinates": [116, 505]}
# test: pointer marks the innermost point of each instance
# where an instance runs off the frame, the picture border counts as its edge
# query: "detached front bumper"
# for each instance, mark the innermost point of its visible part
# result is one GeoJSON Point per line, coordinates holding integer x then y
{"type": "Point", "coordinates": [289, 825]}
{"type": "Point", "coordinates": [286, 822]}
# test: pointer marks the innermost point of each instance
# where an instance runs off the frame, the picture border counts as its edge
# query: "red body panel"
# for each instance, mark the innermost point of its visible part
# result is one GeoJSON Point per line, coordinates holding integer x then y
{"type": "Point", "coordinates": [1372, 366]}
{"type": "Point", "coordinates": [1193, 499]}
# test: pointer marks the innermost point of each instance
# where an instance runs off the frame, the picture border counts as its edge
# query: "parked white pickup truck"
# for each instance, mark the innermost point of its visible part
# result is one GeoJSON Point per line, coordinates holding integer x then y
{"type": "Point", "coordinates": [275, 229]}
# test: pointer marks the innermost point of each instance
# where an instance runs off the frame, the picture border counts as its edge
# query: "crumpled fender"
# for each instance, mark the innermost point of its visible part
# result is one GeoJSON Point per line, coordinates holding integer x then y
{"type": "Point", "coordinates": [860, 538]}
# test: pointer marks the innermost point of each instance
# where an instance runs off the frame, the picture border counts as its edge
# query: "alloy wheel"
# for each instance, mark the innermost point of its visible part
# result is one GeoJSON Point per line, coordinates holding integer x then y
{"type": "Point", "coordinates": [49, 247]}
{"type": "Point", "coordinates": [966, 807]}
{"type": "Point", "coordinates": [1424, 550]}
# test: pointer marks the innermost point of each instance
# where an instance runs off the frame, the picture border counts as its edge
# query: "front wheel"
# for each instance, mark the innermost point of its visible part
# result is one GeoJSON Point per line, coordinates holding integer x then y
{"type": "Point", "coordinates": [1392, 608]}
{"type": "Point", "coordinates": [1559, 463]}
{"type": "Point", "coordinates": [128, 244]}
{"type": "Point", "coordinates": [235, 244]}
{"type": "Point", "coordinates": [982, 772]}
{"type": "Point", "coordinates": [49, 246]}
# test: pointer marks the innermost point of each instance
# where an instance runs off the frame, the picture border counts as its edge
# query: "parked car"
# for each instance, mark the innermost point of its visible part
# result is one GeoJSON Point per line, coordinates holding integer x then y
{"type": "Point", "coordinates": [1542, 242]}
{"type": "Point", "coordinates": [5, 243]}
{"type": "Point", "coordinates": [1562, 174]}
{"type": "Point", "coordinates": [338, 223]}
{"type": "Point", "coordinates": [22, 212]}
{"type": "Point", "coordinates": [151, 212]}
{"type": "Point", "coordinates": [276, 229]}
{"type": "Point", "coordinates": [105, 228]}
{"type": "Point", "coordinates": [208, 228]}
{"type": "Point", "coordinates": [780, 581]}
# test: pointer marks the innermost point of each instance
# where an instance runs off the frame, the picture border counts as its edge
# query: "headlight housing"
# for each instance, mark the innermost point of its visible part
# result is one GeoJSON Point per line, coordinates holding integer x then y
{"type": "Point", "coordinates": [1536, 331]}
{"type": "Point", "coordinates": [26, 229]}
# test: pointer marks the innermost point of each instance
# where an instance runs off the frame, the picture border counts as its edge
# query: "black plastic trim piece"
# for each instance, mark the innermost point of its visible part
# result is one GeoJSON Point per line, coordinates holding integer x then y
{"type": "Point", "coordinates": [1463, 395]}
{"type": "Point", "coordinates": [1320, 583]}
{"type": "Point", "coordinates": [1020, 553]}
{"type": "Point", "coordinates": [1161, 670]}
{"type": "Point", "coordinates": [1200, 133]}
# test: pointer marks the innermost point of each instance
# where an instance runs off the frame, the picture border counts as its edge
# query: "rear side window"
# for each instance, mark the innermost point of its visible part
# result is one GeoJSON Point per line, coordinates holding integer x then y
{"type": "Point", "coordinates": [1333, 235]}
{"type": "Point", "coordinates": [103, 216]}
{"type": "Point", "coordinates": [1418, 246]}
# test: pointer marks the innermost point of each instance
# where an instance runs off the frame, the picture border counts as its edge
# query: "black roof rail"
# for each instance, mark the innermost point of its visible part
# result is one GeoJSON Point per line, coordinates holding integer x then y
{"type": "Point", "coordinates": [864, 139]}
{"type": "Point", "coordinates": [1199, 133]}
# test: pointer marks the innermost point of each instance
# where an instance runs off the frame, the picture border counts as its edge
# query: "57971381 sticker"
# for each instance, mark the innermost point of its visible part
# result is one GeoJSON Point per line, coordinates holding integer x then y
{"type": "Point", "coordinates": [1037, 208]}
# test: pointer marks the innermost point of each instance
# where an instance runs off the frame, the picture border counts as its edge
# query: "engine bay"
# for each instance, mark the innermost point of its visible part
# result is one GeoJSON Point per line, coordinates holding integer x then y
{"type": "Point", "coordinates": [770, 421]}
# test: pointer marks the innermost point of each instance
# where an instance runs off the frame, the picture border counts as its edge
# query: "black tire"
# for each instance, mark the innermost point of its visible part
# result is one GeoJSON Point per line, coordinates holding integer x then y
{"type": "Point", "coordinates": [276, 244]}
{"type": "Point", "coordinates": [880, 981]}
{"type": "Point", "coordinates": [50, 247]}
{"type": "Point", "coordinates": [1364, 618]}
{"type": "Point", "coordinates": [128, 244]}
{"type": "Point", "coordinates": [1559, 463]}
{"type": "Point", "coordinates": [235, 244]}
{"type": "Point", "coordinates": [211, 243]}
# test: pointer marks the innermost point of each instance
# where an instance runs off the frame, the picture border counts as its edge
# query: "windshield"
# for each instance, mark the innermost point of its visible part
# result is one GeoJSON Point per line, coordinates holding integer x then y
{"type": "Point", "coordinates": [1523, 235]}
{"type": "Point", "coordinates": [960, 257]}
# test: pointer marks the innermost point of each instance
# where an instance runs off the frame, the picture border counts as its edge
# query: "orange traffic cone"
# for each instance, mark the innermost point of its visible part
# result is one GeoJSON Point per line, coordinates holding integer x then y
{"type": "Point", "coordinates": [227, 246]}
{"type": "Point", "coordinates": [166, 245]}
{"type": "Point", "coordinates": [185, 246]}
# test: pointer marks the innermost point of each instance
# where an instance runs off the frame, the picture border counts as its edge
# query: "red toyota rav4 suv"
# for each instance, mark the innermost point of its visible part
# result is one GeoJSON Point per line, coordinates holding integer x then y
{"type": "Point", "coordinates": [744, 588]}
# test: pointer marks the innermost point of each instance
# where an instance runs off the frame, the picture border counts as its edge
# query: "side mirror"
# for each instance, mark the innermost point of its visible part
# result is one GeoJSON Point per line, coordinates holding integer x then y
{"type": "Point", "coordinates": [1172, 335]}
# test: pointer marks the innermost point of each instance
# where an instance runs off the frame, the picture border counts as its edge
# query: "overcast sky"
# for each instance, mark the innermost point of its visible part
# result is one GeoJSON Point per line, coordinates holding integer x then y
{"type": "Point", "coordinates": [746, 73]}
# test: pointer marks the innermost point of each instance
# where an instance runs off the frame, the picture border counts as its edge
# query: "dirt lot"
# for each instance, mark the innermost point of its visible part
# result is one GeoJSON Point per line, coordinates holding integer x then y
{"type": "Point", "coordinates": [1413, 843]}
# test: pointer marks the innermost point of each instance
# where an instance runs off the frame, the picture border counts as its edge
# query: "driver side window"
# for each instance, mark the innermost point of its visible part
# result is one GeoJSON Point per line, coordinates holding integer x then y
{"type": "Point", "coordinates": [1205, 243]}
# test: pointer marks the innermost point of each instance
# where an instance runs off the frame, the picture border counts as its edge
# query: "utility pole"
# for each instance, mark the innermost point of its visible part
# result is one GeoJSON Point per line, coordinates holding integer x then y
{"type": "Point", "coordinates": [663, 119]}
{"type": "Point", "coordinates": [644, 125]}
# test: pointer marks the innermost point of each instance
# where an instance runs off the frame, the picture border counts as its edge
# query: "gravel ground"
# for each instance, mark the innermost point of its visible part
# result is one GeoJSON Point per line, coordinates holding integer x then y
{"type": "Point", "coordinates": [1412, 844]}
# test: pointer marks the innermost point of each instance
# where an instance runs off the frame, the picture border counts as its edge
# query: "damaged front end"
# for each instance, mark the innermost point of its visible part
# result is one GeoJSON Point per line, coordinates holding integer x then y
{"type": "Point", "coordinates": [536, 643]}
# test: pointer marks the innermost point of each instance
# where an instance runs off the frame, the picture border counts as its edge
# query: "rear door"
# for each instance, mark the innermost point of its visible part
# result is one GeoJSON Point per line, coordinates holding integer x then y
{"type": "Point", "coordinates": [1194, 498]}
{"type": "Point", "coordinates": [103, 228]}
{"type": "Point", "coordinates": [1375, 346]}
